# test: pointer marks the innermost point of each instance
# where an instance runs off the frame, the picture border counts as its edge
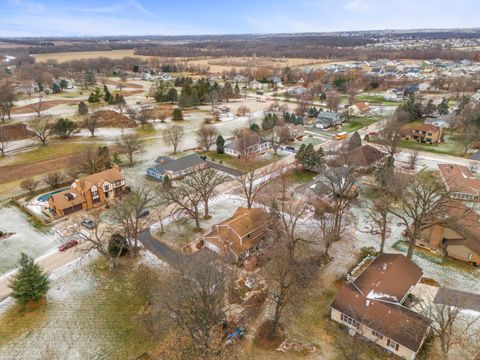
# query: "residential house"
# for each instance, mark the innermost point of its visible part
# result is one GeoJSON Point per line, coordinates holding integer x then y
{"type": "Point", "coordinates": [423, 133]}
{"type": "Point", "coordinates": [365, 156]}
{"type": "Point", "coordinates": [247, 144]}
{"type": "Point", "coordinates": [372, 305]}
{"type": "Point", "coordinates": [362, 108]}
{"type": "Point", "coordinates": [239, 236]}
{"type": "Point", "coordinates": [257, 85]}
{"type": "Point", "coordinates": [176, 168]}
{"type": "Point", "coordinates": [460, 181]}
{"type": "Point", "coordinates": [88, 192]}
{"type": "Point", "coordinates": [456, 234]}
{"type": "Point", "coordinates": [326, 119]}
{"type": "Point", "coordinates": [442, 121]}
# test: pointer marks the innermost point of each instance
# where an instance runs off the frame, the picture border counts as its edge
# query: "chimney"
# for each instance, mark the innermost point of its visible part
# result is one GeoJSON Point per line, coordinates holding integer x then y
{"type": "Point", "coordinates": [367, 303]}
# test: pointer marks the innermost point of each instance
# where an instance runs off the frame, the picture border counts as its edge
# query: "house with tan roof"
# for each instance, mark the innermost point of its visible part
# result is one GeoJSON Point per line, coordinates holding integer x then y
{"type": "Point", "coordinates": [423, 133]}
{"type": "Point", "coordinates": [371, 305]}
{"type": "Point", "coordinates": [457, 234]}
{"type": "Point", "coordinates": [88, 192]}
{"type": "Point", "coordinates": [365, 156]}
{"type": "Point", "coordinates": [247, 143]}
{"type": "Point", "coordinates": [239, 236]}
{"type": "Point", "coordinates": [460, 181]}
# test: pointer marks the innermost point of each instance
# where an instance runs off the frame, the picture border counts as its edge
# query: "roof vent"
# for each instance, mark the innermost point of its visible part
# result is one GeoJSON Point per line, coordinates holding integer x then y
{"type": "Point", "coordinates": [367, 303]}
{"type": "Point", "coordinates": [384, 266]}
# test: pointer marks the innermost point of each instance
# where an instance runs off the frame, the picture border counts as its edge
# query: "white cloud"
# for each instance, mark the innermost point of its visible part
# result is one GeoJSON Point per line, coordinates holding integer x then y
{"type": "Point", "coordinates": [358, 5]}
{"type": "Point", "coordinates": [28, 5]}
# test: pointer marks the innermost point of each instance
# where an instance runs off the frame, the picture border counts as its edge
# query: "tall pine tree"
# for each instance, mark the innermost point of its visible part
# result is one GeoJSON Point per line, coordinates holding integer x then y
{"type": "Point", "coordinates": [30, 283]}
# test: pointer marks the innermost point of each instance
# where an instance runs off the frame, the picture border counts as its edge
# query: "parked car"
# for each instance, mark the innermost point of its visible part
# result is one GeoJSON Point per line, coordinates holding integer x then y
{"type": "Point", "coordinates": [67, 245]}
{"type": "Point", "coordinates": [89, 224]}
{"type": "Point", "coordinates": [144, 213]}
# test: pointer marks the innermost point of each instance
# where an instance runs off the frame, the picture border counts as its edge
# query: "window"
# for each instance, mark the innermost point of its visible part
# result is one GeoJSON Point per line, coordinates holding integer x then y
{"type": "Point", "coordinates": [348, 320]}
{"type": "Point", "coordinates": [118, 183]}
{"type": "Point", "coordinates": [392, 344]}
{"type": "Point", "coordinates": [377, 334]}
{"type": "Point", "coordinates": [95, 194]}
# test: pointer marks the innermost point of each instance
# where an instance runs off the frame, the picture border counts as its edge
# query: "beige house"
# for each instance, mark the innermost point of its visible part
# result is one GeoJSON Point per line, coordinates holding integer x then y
{"type": "Point", "coordinates": [458, 236]}
{"type": "Point", "coordinates": [88, 192]}
{"type": "Point", "coordinates": [423, 133]}
{"type": "Point", "coordinates": [371, 305]}
{"type": "Point", "coordinates": [241, 235]}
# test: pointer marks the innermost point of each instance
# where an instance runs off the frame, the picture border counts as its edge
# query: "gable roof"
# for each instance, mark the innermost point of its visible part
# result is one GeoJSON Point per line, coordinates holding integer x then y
{"type": "Point", "coordinates": [97, 179]}
{"type": "Point", "coordinates": [228, 233]}
{"type": "Point", "coordinates": [244, 141]}
{"type": "Point", "coordinates": [466, 223]}
{"type": "Point", "coordinates": [177, 165]}
{"type": "Point", "coordinates": [459, 178]}
{"type": "Point", "coordinates": [375, 297]}
{"type": "Point", "coordinates": [365, 155]}
{"type": "Point", "coordinates": [475, 156]}
{"type": "Point", "coordinates": [67, 199]}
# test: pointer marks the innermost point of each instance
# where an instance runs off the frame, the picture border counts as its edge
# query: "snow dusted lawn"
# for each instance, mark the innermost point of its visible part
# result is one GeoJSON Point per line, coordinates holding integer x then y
{"type": "Point", "coordinates": [72, 326]}
{"type": "Point", "coordinates": [446, 275]}
{"type": "Point", "coordinates": [179, 233]}
{"type": "Point", "coordinates": [27, 239]}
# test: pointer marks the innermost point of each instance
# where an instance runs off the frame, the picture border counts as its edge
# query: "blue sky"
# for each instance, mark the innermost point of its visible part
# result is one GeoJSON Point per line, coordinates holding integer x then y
{"type": "Point", "coordinates": [149, 17]}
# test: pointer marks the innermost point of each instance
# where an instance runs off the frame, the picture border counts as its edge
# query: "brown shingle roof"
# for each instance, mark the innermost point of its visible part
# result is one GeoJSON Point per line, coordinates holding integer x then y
{"type": "Point", "coordinates": [110, 175]}
{"type": "Point", "coordinates": [228, 233]}
{"type": "Point", "coordinates": [365, 155]}
{"type": "Point", "coordinates": [459, 178]}
{"type": "Point", "coordinates": [375, 297]}
{"type": "Point", "coordinates": [67, 198]}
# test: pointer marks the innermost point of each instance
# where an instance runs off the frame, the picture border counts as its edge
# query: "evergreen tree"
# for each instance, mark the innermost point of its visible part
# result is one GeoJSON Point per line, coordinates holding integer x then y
{"type": "Point", "coordinates": [177, 115]}
{"type": "Point", "coordinates": [95, 96]}
{"type": "Point", "coordinates": [254, 127]}
{"type": "Point", "coordinates": [106, 94]}
{"type": "Point", "coordinates": [30, 283]}
{"type": "Point", "coordinates": [167, 183]}
{"type": "Point", "coordinates": [310, 158]}
{"type": "Point", "coordinates": [56, 88]}
{"type": "Point", "coordinates": [220, 144]}
{"type": "Point", "coordinates": [82, 108]}
{"type": "Point", "coordinates": [443, 107]}
{"type": "Point", "coordinates": [172, 95]}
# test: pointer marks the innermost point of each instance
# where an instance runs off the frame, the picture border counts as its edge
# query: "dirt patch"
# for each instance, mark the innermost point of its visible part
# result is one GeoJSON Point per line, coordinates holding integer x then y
{"type": "Point", "coordinates": [17, 132]}
{"type": "Point", "coordinates": [263, 338]}
{"type": "Point", "coordinates": [112, 119]}
{"type": "Point", "coordinates": [131, 93]}
{"type": "Point", "coordinates": [125, 85]}
{"type": "Point", "coordinates": [30, 108]}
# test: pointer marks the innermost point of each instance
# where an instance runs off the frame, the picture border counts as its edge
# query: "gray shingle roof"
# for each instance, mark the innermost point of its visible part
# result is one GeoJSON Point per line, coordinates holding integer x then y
{"type": "Point", "coordinates": [177, 165]}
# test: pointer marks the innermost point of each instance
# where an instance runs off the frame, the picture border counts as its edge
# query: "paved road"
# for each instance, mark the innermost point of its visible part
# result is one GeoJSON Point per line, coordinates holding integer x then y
{"type": "Point", "coordinates": [160, 250]}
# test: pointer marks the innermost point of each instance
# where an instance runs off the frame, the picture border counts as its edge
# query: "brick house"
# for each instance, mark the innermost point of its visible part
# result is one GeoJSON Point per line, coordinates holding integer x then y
{"type": "Point", "coordinates": [371, 305]}
{"type": "Point", "coordinates": [88, 192]}
{"type": "Point", "coordinates": [240, 235]}
{"type": "Point", "coordinates": [457, 234]}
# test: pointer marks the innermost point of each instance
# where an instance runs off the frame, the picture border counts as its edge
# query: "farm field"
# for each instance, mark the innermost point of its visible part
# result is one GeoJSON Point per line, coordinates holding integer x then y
{"type": "Point", "coordinates": [76, 55]}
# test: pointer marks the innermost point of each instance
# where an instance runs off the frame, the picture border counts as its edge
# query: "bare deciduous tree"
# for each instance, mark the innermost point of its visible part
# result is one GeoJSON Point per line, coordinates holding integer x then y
{"type": "Point", "coordinates": [207, 136]}
{"type": "Point", "coordinates": [54, 179]}
{"type": "Point", "coordinates": [4, 139]}
{"type": "Point", "coordinates": [413, 159]}
{"type": "Point", "coordinates": [422, 199]}
{"type": "Point", "coordinates": [127, 213]}
{"type": "Point", "coordinates": [196, 301]}
{"type": "Point", "coordinates": [130, 145]}
{"type": "Point", "coordinates": [7, 97]}
{"type": "Point", "coordinates": [42, 129]}
{"type": "Point", "coordinates": [253, 182]}
{"type": "Point", "coordinates": [205, 183]}
{"type": "Point", "coordinates": [243, 110]}
{"type": "Point", "coordinates": [30, 185]}
{"type": "Point", "coordinates": [91, 123]}
{"type": "Point", "coordinates": [38, 106]}
{"type": "Point", "coordinates": [173, 135]}
{"type": "Point", "coordinates": [185, 201]}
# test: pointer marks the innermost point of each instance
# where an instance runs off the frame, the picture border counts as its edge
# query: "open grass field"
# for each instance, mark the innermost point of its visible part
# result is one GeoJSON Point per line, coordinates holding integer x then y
{"type": "Point", "coordinates": [76, 55]}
